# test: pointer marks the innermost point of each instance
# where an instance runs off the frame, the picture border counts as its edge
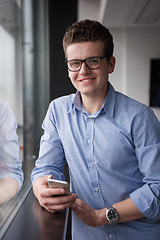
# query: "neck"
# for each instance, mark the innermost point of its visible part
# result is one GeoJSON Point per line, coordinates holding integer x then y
{"type": "Point", "coordinates": [93, 104]}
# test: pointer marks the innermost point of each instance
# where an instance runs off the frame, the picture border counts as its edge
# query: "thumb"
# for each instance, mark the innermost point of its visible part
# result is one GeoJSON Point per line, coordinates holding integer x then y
{"type": "Point", "coordinates": [50, 177]}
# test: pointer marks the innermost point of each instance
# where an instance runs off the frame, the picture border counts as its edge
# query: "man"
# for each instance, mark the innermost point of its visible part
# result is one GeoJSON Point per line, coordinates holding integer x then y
{"type": "Point", "coordinates": [110, 142]}
{"type": "Point", "coordinates": [11, 175]}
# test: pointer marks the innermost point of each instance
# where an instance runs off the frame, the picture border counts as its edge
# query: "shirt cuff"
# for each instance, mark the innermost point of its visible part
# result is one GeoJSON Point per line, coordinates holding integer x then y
{"type": "Point", "coordinates": [146, 202]}
{"type": "Point", "coordinates": [55, 175]}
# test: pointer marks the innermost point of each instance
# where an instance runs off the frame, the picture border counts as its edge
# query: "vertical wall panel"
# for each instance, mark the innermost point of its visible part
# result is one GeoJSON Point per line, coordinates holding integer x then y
{"type": "Point", "coordinates": [61, 15]}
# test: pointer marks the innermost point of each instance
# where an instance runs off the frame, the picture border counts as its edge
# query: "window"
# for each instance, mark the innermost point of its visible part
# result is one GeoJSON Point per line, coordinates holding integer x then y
{"type": "Point", "coordinates": [24, 84]}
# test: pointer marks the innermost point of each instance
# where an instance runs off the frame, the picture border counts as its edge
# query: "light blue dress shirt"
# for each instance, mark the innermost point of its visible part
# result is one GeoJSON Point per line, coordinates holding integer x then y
{"type": "Point", "coordinates": [10, 165]}
{"type": "Point", "coordinates": [112, 155]}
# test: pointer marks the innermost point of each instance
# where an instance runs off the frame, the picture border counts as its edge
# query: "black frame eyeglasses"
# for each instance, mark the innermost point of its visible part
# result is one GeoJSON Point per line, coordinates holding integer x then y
{"type": "Point", "coordinates": [75, 65]}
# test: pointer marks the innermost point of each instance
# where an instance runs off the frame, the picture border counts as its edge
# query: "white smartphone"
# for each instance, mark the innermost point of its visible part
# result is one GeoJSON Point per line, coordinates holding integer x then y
{"type": "Point", "coordinates": [53, 183]}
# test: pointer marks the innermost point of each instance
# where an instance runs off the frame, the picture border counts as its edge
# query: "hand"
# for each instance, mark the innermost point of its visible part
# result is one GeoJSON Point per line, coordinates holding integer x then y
{"type": "Point", "coordinates": [52, 199]}
{"type": "Point", "coordinates": [89, 215]}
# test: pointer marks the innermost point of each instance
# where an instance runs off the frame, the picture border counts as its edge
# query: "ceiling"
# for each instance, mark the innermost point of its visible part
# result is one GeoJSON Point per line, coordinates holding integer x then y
{"type": "Point", "coordinates": [121, 13]}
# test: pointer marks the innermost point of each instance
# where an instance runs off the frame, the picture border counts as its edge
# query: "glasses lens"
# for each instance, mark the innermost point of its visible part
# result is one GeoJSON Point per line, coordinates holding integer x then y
{"type": "Point", "coordinates": [93, 62]}
{"type": "Point", "coordinates": [74, 65]}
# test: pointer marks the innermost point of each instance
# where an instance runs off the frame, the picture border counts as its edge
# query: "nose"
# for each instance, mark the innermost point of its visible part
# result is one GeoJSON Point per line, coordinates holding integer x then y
{"type": "Point", "coordinates": [84, 69]}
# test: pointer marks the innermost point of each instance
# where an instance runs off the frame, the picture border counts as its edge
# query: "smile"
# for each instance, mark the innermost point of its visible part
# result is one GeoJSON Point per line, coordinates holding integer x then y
{"type": "Point", "coordinates": [87, 80]}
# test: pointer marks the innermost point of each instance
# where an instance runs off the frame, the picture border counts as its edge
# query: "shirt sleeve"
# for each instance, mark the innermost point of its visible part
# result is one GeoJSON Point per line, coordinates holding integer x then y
{"type": "Point", "coordinates": [10, 165]}
{"type": "Point", "coordinates": [146, 135]}
{"type": "Point", "coordinates": [51, 155]}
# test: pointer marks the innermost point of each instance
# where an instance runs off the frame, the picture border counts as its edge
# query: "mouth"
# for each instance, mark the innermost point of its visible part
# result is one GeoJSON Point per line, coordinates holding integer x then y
{"type": "Point", "coordinates": [86, 80]}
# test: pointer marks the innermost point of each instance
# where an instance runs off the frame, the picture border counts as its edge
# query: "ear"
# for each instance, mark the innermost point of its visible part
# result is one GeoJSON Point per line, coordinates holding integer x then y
{"type": "Point", "coordinates": [111, 64]}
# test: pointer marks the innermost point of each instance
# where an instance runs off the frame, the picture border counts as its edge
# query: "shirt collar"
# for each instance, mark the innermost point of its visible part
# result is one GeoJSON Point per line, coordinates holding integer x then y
{"type": "Point", "coordinates": [108, 105]}
{"type": "Point", "coordinates": [77, 101]}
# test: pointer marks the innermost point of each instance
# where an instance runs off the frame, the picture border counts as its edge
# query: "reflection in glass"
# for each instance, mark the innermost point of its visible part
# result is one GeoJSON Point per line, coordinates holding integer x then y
{"type": "Point", "coordinates": [11, 159]}
{"type": "Point", "coordinates": [10, 56]}
{"type": "Point", "coordinates": [24, 82]}
{"type": "Point", "coordinates": [11, 175]}
{"type": "Point", "coordinates": [10, 90]}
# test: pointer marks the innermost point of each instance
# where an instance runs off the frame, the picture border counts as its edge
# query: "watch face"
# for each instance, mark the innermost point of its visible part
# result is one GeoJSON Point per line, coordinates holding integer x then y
{"type": "Point", "coordinates": [112, 215]}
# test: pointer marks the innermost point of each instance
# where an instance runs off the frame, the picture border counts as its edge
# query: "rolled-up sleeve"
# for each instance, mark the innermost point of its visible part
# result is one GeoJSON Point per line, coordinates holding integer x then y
{"type": "Point", "coordinates": [10, 165]}
{"type": "Point", "coordinates": [147, 148]}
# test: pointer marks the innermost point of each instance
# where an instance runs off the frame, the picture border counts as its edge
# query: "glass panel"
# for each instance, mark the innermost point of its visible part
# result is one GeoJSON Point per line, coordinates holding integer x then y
{"type": "Point", "coordinates": [11, 108]}
{"type": "Point", "coordinates": [24, 85]}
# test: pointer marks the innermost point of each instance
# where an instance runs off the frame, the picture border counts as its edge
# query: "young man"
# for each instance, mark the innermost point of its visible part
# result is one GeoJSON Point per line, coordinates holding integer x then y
{"type": "Point", "coordinates": [110, 142]}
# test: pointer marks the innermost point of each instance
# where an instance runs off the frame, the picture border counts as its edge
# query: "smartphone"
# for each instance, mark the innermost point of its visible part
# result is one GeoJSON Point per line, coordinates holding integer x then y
{"type": "Point", "coordinates": [52, 183]}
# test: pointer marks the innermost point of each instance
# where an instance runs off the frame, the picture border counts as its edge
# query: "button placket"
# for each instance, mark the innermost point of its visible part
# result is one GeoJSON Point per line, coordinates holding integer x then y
{"type": "Point", "coordinates": [92, 168]}
{"type": "Point", "coordinates": [89, 141]}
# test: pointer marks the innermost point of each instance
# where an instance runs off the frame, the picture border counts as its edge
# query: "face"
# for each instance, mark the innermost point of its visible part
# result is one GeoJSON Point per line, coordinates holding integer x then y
{"type": "Point", "coordinates": [89, 82]}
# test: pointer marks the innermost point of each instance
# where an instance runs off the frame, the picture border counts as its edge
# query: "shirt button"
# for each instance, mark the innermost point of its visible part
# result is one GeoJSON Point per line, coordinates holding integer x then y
{"type": "Point", "coordinates": [110, 235]}
{"type": "Point", "coordinates": [91, 165]}
{"type": "Point", "coordinates": [97, 189]}
{"type": "Point", "coordinates": [89, 141]}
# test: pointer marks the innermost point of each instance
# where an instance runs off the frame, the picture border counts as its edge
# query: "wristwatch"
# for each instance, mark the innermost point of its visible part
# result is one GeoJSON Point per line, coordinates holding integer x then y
{"type": "Point", "coordinates": [112, 215]}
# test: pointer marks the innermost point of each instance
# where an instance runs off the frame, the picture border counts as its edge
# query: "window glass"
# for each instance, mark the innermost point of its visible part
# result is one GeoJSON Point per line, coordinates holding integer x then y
{"type": "Point", "coordinates": [11, 109]}
{"type": "Point", "coordinates": [24, 97]}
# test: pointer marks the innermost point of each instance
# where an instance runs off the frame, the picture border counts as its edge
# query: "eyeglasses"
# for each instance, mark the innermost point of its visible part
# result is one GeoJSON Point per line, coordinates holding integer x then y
{"type": "Point", "coordinates": [75, 65]}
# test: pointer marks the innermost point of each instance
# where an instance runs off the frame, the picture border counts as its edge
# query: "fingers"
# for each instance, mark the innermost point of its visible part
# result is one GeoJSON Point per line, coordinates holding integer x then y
{"type": "Point", "coordinates": [52, 199]}
{"type": "Point", "coordinates": [55, 199]}
{"type": "Point", "coordinates": [58, 203]}
{"type": "Point", "coordinates": [49, 192]}
{"type": "Point", "coordinates": [59, 200]}
{"type": "Point", "coordinates": [85, 212]}
{"type": "Point", "coordinates": [50, 177]}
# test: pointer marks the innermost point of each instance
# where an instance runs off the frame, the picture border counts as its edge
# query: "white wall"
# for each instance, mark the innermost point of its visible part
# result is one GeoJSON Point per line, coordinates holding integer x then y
{"type": "Point", "coordinates": [118, 77]}
{"type": "Point", "coordinates": [134, 48]}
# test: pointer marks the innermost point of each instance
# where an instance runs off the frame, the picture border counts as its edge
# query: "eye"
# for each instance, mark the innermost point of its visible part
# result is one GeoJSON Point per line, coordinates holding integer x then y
{"type": "Point", "coordinates": [93, 61]}
{"type": "Point", "coordinates": [74, 63]}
